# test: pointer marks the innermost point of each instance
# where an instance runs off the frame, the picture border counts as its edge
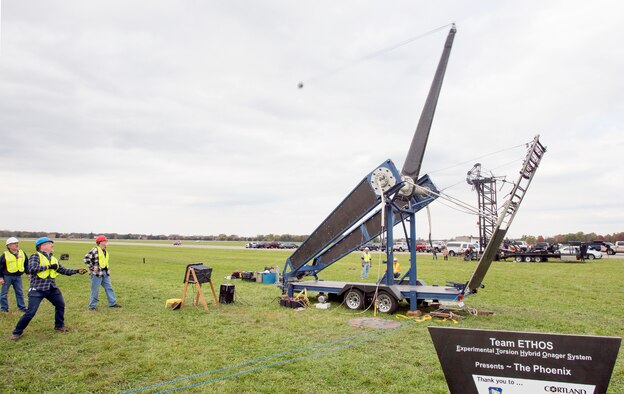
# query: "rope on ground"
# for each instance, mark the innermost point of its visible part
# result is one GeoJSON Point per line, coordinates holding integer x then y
{"type": "Point", "coordinates": [371, 333]}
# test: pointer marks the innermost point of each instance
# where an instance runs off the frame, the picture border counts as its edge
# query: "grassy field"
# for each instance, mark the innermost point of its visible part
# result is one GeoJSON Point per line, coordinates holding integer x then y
{"type": "Point", "coordinates": [255, 345]}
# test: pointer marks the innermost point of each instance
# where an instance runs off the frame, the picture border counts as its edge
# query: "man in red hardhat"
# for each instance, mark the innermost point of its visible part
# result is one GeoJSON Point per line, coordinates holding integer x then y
{"type": "Point", "coordinates": [13, 264]}
{"type": "Point", "coordinates": [97, 261]}
{"type": "Point", "coordinates": [43, 268]}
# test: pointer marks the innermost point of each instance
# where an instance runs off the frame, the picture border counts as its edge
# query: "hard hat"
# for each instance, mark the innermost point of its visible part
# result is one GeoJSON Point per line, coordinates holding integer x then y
{"type": "Point", "coordinates": [42, 240]}
{"type": "Point", "coordinates": [100, 238]}
{"type": "Point", "coordinates": [366, 248]}
{"type": "Point", "coordinates": [395, 259]}
{"type": "Point", "coordinates": [11, 240]}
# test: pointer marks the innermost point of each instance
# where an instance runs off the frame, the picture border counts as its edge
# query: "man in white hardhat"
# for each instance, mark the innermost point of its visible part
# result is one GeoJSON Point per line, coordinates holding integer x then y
{"type": "Point", "coordinates": [12, 267]}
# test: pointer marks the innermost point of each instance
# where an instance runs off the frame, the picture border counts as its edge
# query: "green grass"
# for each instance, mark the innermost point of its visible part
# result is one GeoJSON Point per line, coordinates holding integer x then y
{"type": "Point", "coordinates": [142, 344]}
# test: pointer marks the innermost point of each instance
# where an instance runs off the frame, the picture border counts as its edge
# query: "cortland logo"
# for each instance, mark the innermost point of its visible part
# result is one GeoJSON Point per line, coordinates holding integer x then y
{"type": "Point", "coordinates": [564, 390]}
{"type": "Point", "coordinates": [495, 390]}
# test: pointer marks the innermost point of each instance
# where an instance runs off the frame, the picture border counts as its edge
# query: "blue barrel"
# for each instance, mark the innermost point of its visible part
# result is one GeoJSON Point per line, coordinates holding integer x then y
{"type": "Point", "coordinates": [269, 277]}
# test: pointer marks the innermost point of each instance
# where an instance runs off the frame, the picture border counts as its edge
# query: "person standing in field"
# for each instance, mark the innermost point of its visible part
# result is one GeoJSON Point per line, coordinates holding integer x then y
{"type": "Point", "coordinates": [445, 252]}
{"type": "Point", "coordinates": [43, 268]}
{"type": "Point", "coordinates": [97, 261]}
{"type": "Point", "coordinates": [366, 263]}
{"type": "Point", "coordinates": [12, 267]}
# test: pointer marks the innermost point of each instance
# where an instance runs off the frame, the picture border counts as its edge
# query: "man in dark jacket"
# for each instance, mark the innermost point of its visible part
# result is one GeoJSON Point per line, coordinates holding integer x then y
{"type": "Point", "coordinates": [12, 267]}
{"type": "Point", "coordinates": [43, 268]}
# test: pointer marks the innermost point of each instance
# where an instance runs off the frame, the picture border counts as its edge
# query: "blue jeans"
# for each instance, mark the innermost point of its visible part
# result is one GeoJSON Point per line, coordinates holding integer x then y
{"type": "Point", "coordinates": [104, 281]}
{"type": "Point", "coordinates": [365, 269]}
{"type": "Point", "coordinates": [16, 281]}
{"type": "Point", "coordinates": [34, 299]}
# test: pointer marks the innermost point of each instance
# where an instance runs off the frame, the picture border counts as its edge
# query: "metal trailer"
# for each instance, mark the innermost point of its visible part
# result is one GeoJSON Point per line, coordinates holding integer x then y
{"type": "Point", "coordinates": [383, 199]}
{"type": "Point", "coordinates": [536, 256]}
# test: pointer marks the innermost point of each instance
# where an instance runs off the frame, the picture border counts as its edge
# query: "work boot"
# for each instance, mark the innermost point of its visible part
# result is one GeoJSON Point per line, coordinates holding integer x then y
{"type": "Point", "coordinates": [115, 306]}
{"type": "Point", "coordinates": [15, 337]}
{"type": "Point", "coordinates": [61, 329]}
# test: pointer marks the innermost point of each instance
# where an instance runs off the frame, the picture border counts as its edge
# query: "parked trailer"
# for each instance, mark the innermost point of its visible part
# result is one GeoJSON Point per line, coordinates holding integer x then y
{"type": "Point", "coordinates": [537, 256]}
{"type": "Point", "coordinates": [359, 295]}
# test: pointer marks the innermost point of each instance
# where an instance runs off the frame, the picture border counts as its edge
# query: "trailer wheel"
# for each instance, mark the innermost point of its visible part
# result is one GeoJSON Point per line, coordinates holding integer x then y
{"type": "Point", "coordinates": [538, 259]}
{"type": "Point", "coordinates": [527, 259]}
{"type": "Point", "coordinates": [386, 303]}
{"type": "Point", "coordinates": [354, 299]}
{"type": "Point", "coordinates": [518, 259]}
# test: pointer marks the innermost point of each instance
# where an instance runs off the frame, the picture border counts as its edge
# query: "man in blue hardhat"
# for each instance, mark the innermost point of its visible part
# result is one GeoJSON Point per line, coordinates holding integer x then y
{"type": "Point", "coordinates": [43, 268]}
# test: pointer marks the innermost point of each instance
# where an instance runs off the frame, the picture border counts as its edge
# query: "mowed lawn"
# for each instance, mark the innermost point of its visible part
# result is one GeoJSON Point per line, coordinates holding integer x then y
{"type": "Point", "coordinates": [256, 346]}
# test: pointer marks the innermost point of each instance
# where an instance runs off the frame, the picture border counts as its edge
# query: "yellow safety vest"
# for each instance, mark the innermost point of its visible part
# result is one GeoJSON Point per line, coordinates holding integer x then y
{"type": "Point", "coordinates": [13, 263]}
{"type": "Point", "coordinates": [396, 267]}
{"type": "Point", "coordinates": [44, 262]}
{"type": "Point", "coordinates": [103, 258]}
{"type": "Point", "coordinates": [367, 257]}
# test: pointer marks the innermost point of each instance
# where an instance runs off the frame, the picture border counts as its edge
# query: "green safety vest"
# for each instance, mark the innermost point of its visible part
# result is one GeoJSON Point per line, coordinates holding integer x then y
{"type": "Point", "coordinates": [44, 262]}
{"type": "Point", "coordinates": [13, 263]}
{"type": "Point", "coordinates": [103, 258]}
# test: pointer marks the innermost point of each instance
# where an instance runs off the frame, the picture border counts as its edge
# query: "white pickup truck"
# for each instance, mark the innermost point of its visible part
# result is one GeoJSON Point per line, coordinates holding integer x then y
{"type": "Point", "coordinates": [618, 247]}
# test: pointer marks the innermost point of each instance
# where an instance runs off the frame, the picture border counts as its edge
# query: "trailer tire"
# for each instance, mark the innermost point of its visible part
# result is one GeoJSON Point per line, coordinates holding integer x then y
{"type": "Point", "coordinates": [518, 259]}
{"type": "Point", "coordinates": [527, 259]}
{"type": "Point", "coordinates": [386, 303]}
{"type": "Point", "coordinates": [354, 299]}
{"type": "Point", "coordinates": [538, 259]}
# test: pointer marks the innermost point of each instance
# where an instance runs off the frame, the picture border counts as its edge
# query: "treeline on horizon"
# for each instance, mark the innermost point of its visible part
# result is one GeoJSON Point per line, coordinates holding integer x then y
{"type": "Point", "coordinates": [530, 239]}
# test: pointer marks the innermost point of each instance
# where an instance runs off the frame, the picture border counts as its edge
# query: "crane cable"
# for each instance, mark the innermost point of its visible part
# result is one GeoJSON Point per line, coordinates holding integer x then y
{"type": "Point", "coordinates": [371, 56]}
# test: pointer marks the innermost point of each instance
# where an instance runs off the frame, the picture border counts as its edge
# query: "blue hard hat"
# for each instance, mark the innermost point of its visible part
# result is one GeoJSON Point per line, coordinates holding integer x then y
{"type": "Point", "coordinates": [42, 240]}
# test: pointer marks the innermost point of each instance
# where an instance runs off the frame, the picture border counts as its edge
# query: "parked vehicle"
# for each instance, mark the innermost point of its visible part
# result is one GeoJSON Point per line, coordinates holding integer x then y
{"type": "Point", "coordinates": [618, 247]}
{"type": "Point", "coordinates": [541, 246]}
{"type": "Point", "coordinates": [456, 248]}
{"type": "Point", "coordinates": [288, 245]}
{"type": "Point", "coordinates": [520, 245]}
{"type": "Point", "coordinates": [602, 246]}
{"type": "Point", "coordinates": [576, 251]}
{"type": "Point", "coordinates": [421, 246]}
{"type": "Point", "coordinates": [400, 247]}
{"type": "Point", "coordinates": [435, 245]}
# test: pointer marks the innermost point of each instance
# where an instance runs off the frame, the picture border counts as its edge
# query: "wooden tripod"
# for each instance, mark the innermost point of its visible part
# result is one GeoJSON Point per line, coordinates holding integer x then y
{"type": "Point", "coordinates": [200, 295]}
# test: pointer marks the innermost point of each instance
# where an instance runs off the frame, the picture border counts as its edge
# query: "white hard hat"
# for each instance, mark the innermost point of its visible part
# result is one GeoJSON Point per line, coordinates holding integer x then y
{"type": "Point", "coordinates": [12, 240]}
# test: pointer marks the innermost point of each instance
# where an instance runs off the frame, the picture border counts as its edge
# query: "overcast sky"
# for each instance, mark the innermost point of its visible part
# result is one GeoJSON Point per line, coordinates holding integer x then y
{"type": "Point", "coordinates": [184, 117]}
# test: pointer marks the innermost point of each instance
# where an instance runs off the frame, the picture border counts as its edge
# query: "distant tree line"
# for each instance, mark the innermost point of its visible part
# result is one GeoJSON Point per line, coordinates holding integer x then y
{"type": "Point", "coordinates": [219, 237]}
{"type": "Point", "coordinates": [530, 239]}
{"type": "Point", "coordinates": [580, 236]}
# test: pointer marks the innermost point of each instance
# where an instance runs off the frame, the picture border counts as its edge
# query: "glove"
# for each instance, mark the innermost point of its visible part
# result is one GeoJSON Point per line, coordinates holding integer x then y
{"type": "Point", "coordinates": [53, 266]}
{"type": "Point", "coordinates": [82, 271]}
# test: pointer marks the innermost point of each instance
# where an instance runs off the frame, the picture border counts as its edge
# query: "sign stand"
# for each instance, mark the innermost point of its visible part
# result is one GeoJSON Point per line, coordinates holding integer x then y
{"type": "Point", "coordinates": [200, 295]}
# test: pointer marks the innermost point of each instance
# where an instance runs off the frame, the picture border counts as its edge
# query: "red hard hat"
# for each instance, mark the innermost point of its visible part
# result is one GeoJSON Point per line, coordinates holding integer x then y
{"type": "Point", "coordinates": [100, 238]}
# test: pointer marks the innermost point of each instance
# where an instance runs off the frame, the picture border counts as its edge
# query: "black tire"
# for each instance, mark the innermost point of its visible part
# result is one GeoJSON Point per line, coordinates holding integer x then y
{"type": "Point", "coordinates": [354, 299]}
{"type": "Point", "coordinates": [538, 259]}
{"type": "Point", "coordinates": [591, 256]}
{"type": "Point", "coordinates": [386, 303]}
{"type": "Point", "coordinates": [518, 259]}
{"type": "Point", "coordinates": [452, 253]}
{"type": "Point", "coordinates": [610, 252]}
{"type": "Point", "coordinates": [527, 259]}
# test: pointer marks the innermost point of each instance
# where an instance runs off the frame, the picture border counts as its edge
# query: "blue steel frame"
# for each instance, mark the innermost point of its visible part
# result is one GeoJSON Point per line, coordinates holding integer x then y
{"type": "Point", "coordinates": [392, 209]}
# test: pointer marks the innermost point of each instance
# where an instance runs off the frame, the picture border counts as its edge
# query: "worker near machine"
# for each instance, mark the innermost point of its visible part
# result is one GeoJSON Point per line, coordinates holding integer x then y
{"type": "Point", "coordinates": [366, 263]}
{"type": "Point", "coordinates": [97, 261]}
{"type": "Point", "coordinates": [396, 268]}
{"type": "Point", "coordinates": [43, 268]}
{"type": "Point", "coordinates": [12, 267]}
